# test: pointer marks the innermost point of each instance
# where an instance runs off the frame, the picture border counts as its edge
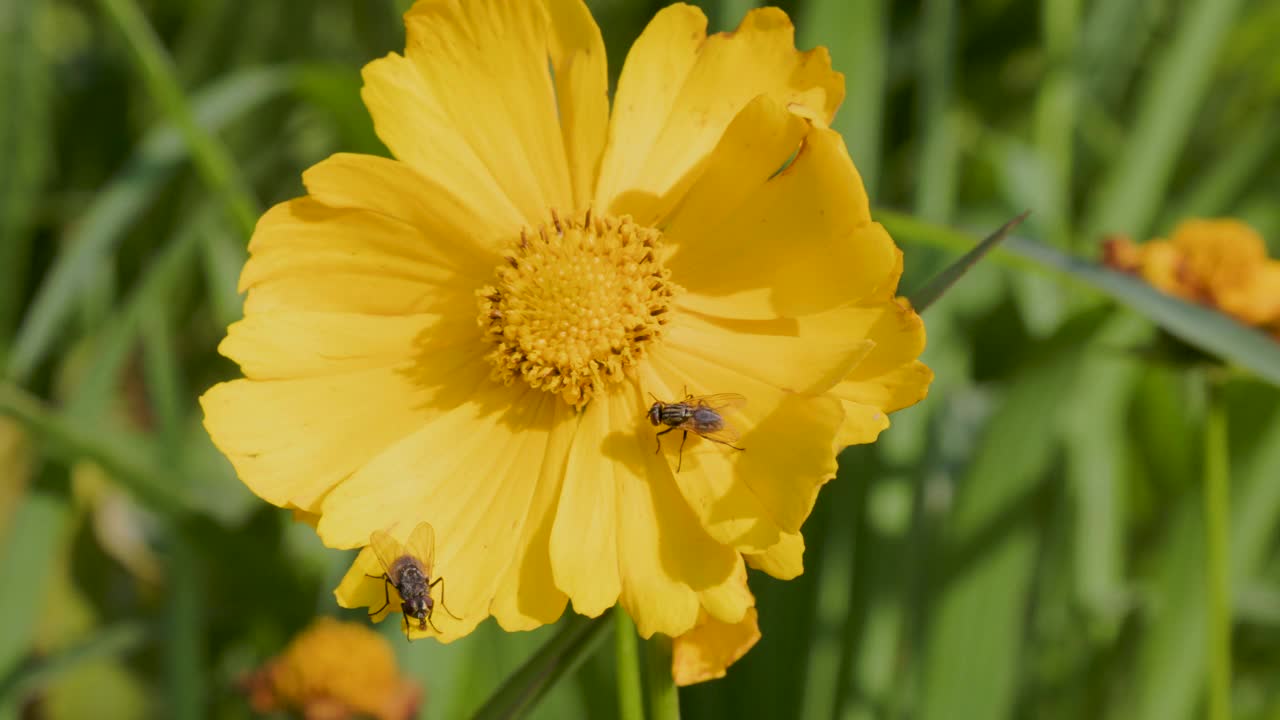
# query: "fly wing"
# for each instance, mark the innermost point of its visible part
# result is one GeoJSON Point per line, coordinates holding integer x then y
{"type": "Point", "coordinates": [725, 433]}
{"type": "Point", "coordinates": [719, 401]}
{"type": "Point", "coordinates": [422, 545]}
{"type": "Point", "coordinates": [387, 548]}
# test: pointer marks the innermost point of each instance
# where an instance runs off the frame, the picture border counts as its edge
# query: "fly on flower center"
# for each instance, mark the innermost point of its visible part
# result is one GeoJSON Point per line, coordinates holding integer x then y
{"type": "Point", "coordinates": [575, 303]}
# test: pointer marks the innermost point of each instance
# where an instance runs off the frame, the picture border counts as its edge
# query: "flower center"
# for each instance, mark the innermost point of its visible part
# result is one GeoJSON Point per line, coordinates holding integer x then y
{"type": "Point", "coordinates": [575, 304]}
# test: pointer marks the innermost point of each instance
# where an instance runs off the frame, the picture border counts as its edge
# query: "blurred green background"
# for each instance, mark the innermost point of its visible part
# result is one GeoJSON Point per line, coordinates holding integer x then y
{"type": "Point", "coordinates": [1048, 535]}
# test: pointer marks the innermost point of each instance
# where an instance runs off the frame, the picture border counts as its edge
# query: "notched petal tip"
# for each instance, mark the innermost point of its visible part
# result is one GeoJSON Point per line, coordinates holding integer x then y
{"type": "Point", "coordinates": [706, 652]}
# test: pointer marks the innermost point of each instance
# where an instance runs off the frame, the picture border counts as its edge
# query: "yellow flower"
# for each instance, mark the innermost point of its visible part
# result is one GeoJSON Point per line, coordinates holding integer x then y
{"type": "Point", "coordinates": [471, 334]}
{"type": "Point", "coordinates": [335, 669]}
{"type": "Point", "coordinates": [1221, 263]}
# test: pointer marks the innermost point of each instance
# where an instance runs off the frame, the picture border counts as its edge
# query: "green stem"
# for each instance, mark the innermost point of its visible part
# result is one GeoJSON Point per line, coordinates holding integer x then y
{"type": "Point", "coordinates": [1217, 507]}
{"type": "Point", "coordinates": [664, 698]}
{"type": "Point", "coordinates": [575, 640]}
{"type": "Point", "coordinates": [212, 159]}
{"type": "Point", "coordinates": [732, 12]}
{"type": "Point", "coordinates": [630, 700]}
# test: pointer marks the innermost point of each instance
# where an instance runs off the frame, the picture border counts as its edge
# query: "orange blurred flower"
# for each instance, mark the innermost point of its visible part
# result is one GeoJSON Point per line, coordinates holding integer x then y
{"type": "Point", "coordinates": [1221, 263]}
{"type": "Point", "coordinates": [335, 670]}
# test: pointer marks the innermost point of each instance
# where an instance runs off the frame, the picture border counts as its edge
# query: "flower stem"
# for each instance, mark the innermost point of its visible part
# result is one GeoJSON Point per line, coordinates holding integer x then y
{"type": "Point", "coordinates": [630, 700]}
{"type": "Point", "coordinates": [1217, 501]}
{"type": "Point", "coordinates": [664, 700]}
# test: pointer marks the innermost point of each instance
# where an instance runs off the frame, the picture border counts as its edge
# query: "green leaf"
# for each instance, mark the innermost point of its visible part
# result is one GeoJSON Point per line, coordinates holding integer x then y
{"type": "Point", "coordinates": [577, 638]}
{"type": "Point", "coordinates": [924, 297]}
{"type": "Point", "coordinates": [93, 237]}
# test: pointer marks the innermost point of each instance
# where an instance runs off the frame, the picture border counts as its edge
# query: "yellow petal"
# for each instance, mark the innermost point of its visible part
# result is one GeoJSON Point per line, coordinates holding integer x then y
{"type": "Point", "coordinates": [582, 92]}
{"type": "Point", "coordinates": [890, 391]}
{"type": "Point", "coordinates": [363, 587]}
{"type": "Point", "coordinates": [706, 652]}
{"type": "Point", "coordinates": [471, 105]}
{"type": "Point", "coordinates": [729, 601]}
{"type": "Point", "coordinates": [784, 561]}
{"type": "Point", "coordinates": [890, 377]}
{"type": "Point", "coordinates": [307, 256]}
{"type": "Point", "coordinates": [862, 424]}
{"type": "Point", "coordinates": [287, 344]}
{"type": "Point", "coordinates": [807, 354]}
{"type": "Point", "coordinates": [450, 229]}
{"type": "Point", "coordinates": [584, 540]}
{"type": "Point", "coordinates": [291, 441]}
{"type": "Point", "coordinates": [798, 243]}
{"type": "Point", "coordinates": [528, 597]}
{"type": "Point", "coordinates": [762, 138]}
{"type": "Point", "coordinates": [679, 90]}
{"type": "Point", "coordinates": [789, 451]}
{"type": "Point", "coordinates": [467, 474]}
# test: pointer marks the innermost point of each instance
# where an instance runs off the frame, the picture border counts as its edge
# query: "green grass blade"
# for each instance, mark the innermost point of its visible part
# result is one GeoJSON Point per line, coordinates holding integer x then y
{"type": "Point", "coordinates": [120, 331]}
{"type": "Point", "coordinates": [111, 641]}
{"type": "Point", "coordinates": [222, 263]}
{"type": "Point", "coordinates": [937, 169]}
{"type": "Point", "coordinates": [1202, 327]}
{"type": "Point", "coordinates": [1228, 178]}
{"type": "Point", "coordinates": [857, 35]}
{"type": "Point", "coordinates": [184, 637]}
{"type": "Point", "coordinates": [574, 641]}
{"type": "Point", "coordinates": [938, 285]}
{"type": "Point", "coordinates": [118, 454]}
{"type": "Point", "coordinates": [1129, 197]}
{"type": "Point", "coordinates": [94, 237]}
{"type": "Point", "coordinates": [972, 665]}
{"type": "Point", "coordinates": [1055, 114]}
{"type": "Point", "coordinates": [1094, 437]}
{"type": "Point", "coordinates": [26, 561]}
{"type": "Point", "coordinates": [1217, 507]}
{"type": "Point", "coordinates": [24, 149]}
{"type": "Point", "coordinates": [1172, 655]}
{"type": "Point", "coordinates": [212, 159]}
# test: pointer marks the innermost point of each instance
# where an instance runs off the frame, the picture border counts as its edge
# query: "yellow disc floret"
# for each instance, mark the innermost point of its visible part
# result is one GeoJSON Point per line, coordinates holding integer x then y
{"type": "Point", "coordinates": [575, 303]}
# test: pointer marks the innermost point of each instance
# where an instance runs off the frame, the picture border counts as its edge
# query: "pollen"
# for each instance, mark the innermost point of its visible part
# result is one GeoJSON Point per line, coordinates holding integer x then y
{"type": "Point", "coordinates": [575, 303]}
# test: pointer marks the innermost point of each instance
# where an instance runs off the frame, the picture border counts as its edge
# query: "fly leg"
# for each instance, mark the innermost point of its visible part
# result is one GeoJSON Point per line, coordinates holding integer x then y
{"type": "Point", "coordinates": [386, 593]}
{"type": "Point", "coordinates": [659, 435]}
{"type": "Point", "coordinates": [680, 462]}
{"type": "Point", "coordinates": [440, 581]}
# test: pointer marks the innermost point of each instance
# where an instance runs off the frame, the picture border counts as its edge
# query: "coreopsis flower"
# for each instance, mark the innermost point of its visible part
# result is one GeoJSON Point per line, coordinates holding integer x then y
{"type": "Point", "coordinates": [1221, 263]}
{"type": "Point", "coordinates": [335, 670]}
{"type": "Point", "coordinates": [471, 334]}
